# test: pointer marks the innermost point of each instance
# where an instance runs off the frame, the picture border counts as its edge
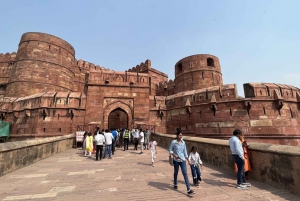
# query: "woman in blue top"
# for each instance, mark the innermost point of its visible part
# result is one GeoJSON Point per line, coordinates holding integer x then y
{"type": "Point", "coordinates": [178, 151]}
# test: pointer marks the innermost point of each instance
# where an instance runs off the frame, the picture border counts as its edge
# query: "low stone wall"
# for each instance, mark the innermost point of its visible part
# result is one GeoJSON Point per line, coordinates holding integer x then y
{"type": "Point", "coordinates": [276, 165]}
{"type": "Point", "coordinates": [15, 155]}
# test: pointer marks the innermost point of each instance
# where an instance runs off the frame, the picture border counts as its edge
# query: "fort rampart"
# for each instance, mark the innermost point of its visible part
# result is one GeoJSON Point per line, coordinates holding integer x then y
{"type": "Point", "coordinates": [15, 155]}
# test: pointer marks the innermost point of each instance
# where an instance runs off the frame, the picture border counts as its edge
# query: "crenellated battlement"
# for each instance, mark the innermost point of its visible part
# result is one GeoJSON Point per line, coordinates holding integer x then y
{"type": "Point", "coordinates": [271, 91]}
{"type": "Point", "coordinates": [141, 67]}
{"type": "Point", "coordinates": [8, 57]}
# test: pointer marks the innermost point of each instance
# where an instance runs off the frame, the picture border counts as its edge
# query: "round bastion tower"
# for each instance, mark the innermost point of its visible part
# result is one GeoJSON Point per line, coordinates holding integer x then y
{"type": "Point", "coordinates": [43, 63]}
{"type": "Point", "coordinates": [197, 72]}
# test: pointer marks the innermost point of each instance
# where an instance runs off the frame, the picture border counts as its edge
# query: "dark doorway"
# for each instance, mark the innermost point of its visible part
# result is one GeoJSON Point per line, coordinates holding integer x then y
{"type": "Point", "coordinates": [118, 118]}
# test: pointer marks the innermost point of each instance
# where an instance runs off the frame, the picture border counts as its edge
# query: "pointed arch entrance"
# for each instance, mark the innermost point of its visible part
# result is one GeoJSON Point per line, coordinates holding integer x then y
{"type": "Point", "coordinates": [117, 108]}
{"type": "Point", "coordinates": [118, 118]}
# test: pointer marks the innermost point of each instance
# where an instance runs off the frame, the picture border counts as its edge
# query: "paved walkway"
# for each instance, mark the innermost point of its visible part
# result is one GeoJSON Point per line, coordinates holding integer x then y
{"type": "Point", "coordinates": [128, 176]}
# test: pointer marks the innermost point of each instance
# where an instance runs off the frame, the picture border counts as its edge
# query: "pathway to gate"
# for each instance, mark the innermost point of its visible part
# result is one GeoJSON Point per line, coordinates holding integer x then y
{"type": "Point", "coordinates": [127, 176]}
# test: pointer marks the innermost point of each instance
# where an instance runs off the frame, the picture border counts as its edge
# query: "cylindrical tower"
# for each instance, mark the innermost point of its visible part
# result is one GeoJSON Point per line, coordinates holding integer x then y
{"type": "Point", "coordinates": [43, 63]}
{"type": "Point", "coordinates": [197, 72]}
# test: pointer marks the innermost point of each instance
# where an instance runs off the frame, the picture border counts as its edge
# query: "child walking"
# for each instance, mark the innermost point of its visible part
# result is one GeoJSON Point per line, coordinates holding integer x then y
{"type": "Point", "coordinates": [195, 161]}
{"type": "Point", "coordinates": [153, 151]}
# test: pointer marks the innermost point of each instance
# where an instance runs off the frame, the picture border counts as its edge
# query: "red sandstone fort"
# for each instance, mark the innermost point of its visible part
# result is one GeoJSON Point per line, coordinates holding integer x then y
{"type": "Point", "coordinates": [46, 91]}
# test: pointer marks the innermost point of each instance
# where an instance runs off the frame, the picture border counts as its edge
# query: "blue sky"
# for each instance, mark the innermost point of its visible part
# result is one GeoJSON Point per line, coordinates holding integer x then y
{"type": "Point", "coordinates": [256, 41]}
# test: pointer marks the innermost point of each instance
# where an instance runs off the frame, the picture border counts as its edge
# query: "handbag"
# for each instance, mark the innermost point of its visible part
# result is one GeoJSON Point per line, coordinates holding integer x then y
{"type": "Point", "coordinates": [171, 162]}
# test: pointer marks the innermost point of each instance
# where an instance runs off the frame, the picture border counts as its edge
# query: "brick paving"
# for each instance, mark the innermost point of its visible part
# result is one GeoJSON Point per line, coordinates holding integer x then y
{"type": "Point", "coordinates": [127, 176]}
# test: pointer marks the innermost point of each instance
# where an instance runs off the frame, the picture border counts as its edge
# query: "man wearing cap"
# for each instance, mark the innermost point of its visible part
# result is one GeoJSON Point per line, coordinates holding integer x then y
{"type": "Point", "coordinates": [238, 157]}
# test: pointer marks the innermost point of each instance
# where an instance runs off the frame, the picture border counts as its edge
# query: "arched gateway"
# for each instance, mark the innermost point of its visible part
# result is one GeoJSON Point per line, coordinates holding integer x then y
{"type": "Point", "coordinates": [118, 115]}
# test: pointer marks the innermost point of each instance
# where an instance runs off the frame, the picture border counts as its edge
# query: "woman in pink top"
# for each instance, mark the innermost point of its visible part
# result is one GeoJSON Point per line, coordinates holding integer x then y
{"type": "Point", "coordinates": [153, 151]}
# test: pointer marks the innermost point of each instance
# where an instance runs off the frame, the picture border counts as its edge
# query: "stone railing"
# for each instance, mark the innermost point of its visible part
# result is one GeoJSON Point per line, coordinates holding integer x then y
{"type": "Point", "coordinates": [15, 155]}
{"type": "Point", "coordinates": [276, 165]}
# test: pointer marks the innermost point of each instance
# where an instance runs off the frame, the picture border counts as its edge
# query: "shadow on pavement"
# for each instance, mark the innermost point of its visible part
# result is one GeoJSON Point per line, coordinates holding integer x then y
{"type": "Point", "coordinates": [165, 186]}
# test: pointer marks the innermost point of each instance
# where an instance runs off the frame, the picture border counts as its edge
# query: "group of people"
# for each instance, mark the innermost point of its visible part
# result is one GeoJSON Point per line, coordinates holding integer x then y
{"type": "Point", "coordinates": [178, 151]}
{"type": "Point", "coordinates": [110, 139]}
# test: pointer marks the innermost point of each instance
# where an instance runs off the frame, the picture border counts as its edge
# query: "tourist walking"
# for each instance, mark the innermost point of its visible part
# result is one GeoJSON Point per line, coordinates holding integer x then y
{"type": "Point", "coordinates": [99, 140]}
{"type": "Point", "coordinates": [113, 144]}
{"type": "Point", "coordinates": [135, 139]}
{"type": "Point", "coordinates": [195, 161]}
{"type": "Point", "coordinates": [108, 141]}
{"type": "Point", "coordinates": [238, 157]}
{"type": "Point", "coordinates": [141, 139]}
{"type": "Point", "coordinates": [121, 138]}
{"type": "Point", "coordinates": [89, 145]}
{"type": "Point", "coordinates": [147, 137]}
{"type": "Point", "coordinates": [152, 145]}
{"type": "Point", "coordinates": [178, 151]}
{"type": "Point", "coordinates": [84, 142]}
{"type": "Point", "coordinates": [126, 137]}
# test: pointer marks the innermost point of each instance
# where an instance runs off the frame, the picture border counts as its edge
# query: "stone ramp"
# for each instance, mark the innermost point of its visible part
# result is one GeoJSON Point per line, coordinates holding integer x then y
{"type": "Point", "coordinates": [127, 176]}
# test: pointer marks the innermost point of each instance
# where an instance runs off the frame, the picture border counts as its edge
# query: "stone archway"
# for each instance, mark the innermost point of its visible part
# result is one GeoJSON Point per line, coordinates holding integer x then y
{"type": "Point", "coordinates": [117, 106]}
{"type": "Point", "coordinates": [118, 118]}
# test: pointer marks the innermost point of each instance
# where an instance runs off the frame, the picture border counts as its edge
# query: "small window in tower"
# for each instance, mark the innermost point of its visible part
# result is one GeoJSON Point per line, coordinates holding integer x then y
{"type": "Point", "coordinates": [210, 62]}
{"type": "Point", "coordinates": [179, 67]}
{"type": "Point", "coordinates": [292, 116]}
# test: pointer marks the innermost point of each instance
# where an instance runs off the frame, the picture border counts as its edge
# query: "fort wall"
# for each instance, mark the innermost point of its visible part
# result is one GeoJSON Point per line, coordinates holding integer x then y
{"type": "Point", "coordinates": [45, 91]}
{"type": "Point", "coordinates": [43, 63]}
{"type": "Point", "coordinates": [15, 155]}
{"type": "Point", "coordinates": [6, 64]}
{"type": "Point", "coordinates": [45, 114]}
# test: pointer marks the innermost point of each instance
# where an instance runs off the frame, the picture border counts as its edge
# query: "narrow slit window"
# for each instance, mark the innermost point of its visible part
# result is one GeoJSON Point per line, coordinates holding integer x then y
{"type": "Point", "coordinates": [292, 116]}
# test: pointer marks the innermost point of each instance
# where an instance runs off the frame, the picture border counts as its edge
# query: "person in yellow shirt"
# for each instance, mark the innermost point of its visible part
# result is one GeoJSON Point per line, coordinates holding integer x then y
{"type": "Point", "coordinates": [89, 145]}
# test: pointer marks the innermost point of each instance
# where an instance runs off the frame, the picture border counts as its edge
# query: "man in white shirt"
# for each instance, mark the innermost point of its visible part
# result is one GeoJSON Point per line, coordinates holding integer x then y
{"type": "Point", "coordinates": [136, 139]}
{"type": "Point", "coordinates": [108, 143]}
{"type": "Point", "coordinates": [100, 140]}
{"type": "Point", "coordinates": [141, 138]}
{"type": "Point", "coordinates": [238, 157]}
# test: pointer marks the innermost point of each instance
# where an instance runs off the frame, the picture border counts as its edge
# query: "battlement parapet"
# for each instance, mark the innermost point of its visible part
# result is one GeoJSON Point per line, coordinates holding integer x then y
{"type": "Point", "coordinates": [270, 91]}
{"type": "Point", "coordinates": [43, 100]}
{"type": "Point", "coordinates": [8, 57]}
{"type": "Point", "coordinates": [144, 66]}
{"type": "Point", "coordinates": [107, 77]}
{"type": "Point", "coordinates": [168, 85]}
